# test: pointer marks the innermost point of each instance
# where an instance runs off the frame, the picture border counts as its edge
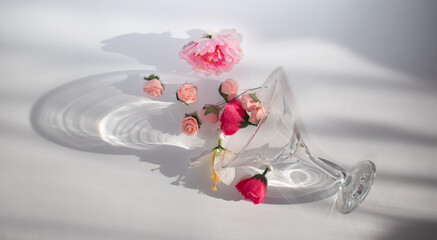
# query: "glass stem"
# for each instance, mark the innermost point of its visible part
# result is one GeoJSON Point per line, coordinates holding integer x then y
{"type": "Point", "coordinates": [299, 151]}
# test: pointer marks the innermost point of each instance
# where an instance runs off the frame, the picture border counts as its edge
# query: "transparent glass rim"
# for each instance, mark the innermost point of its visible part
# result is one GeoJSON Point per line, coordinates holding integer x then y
{"type": "Point", "coordinates": [277, 71]}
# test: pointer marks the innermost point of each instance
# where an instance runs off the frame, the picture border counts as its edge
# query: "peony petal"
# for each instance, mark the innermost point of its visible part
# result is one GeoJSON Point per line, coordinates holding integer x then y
{"type": "Point", "coordinates": [214, 56]}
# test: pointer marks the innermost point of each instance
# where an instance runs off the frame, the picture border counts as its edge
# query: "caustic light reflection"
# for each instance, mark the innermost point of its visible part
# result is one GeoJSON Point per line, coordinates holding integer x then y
{"type": "Point", "coordinates": [136, 125]}
{"type": "Point", "coordinates": [110, 110]}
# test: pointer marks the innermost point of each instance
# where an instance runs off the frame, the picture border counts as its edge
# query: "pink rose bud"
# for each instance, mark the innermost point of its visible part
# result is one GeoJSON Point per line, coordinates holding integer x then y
{"type": "Point", "coordinates": [228, 89]}
{"type": "Point", "coordinates": [187, 93]}
{"type": "Point", "coordinates": [256, 115]}
{"type": "Point", "coordinates": [233, 117]}
{"type": "Point", "coordinates": [248, 102]}
{"type": "Point", "coordinates": [214, 54]}
{"type": "Point", "coordinates": [190, 126]}
{"type": "Point", "coordinates": [210, 114]}
{"type": "Point", "coordinates": [254, 188]}
{"type": "Point", "coordinates": [153, 87]}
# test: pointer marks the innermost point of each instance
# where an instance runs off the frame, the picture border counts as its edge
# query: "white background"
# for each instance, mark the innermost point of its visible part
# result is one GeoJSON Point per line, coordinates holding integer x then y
{"type": "Point", "coordinates": [364, 77]}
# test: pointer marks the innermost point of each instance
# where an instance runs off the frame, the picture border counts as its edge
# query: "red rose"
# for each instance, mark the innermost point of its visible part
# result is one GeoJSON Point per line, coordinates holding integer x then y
{"type": "Point", "coordinates": [232, 117]}
{"type": "Point", "coordinates": [254, 188]}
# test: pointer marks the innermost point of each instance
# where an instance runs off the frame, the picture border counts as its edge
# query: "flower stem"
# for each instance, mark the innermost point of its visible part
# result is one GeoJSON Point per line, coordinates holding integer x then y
{"type": "Point", "coordinates": [245, 91]}
{"type": "Point", "coordinates": [265, 171]}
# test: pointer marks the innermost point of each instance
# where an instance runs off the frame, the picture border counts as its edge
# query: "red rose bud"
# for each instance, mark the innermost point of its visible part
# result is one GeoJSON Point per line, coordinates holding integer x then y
{"type": "Point", "coordinates": [254, 188]}
{"type": "Point", "coordinates": [233, 117]}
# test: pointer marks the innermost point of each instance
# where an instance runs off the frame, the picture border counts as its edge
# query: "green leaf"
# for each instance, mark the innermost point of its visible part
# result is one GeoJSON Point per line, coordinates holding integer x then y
{"type": "Point", "coordinates": [245, 118]}
{"type": "Point", "coordinates": [225, 96]}
{"type": "Point", "coordinates": [194, 115]}
{"type": "Point", "coordinates": [243, 124]}
{"type": "Point", "coordinates": [211, 109]}
{"type": "Point", "coordinates": [219, 148]}
{"type": "Point", "coordinates": [253, 95]}
{"type": "Point", "coordinates": [151, 76]}
{"type": "Point", "coordinates": [177, 98]}
{"type": "Point", "coordinates": [261, 178]}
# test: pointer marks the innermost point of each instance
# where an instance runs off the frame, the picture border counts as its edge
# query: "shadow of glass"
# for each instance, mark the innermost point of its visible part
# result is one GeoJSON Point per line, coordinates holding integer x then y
{"type": "Point", "coordinates": [109, 114]}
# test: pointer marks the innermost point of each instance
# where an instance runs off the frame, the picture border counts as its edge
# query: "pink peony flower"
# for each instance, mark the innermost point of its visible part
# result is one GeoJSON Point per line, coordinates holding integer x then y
{"type": "Point", "coordinates": [153, 87]}
{"type": "Point", "coordinates": [232, 117]}
{"type": "Point", "coordinates": [228, 89]}
{"type": "Point", "coordinates": [254, 188]}
{"type": "Point", "coordinates": [214, 54]}
{"type": "Point", "coordinates": [210, 114]}
{"type": "Point", "coordinates": [190, 126]}
{"type": "Point", "coordinates": [248, 102]}
{"type": "Point", "coordinates": [256, 115]}
{"type": "Point", "coordinates": [187, 93]}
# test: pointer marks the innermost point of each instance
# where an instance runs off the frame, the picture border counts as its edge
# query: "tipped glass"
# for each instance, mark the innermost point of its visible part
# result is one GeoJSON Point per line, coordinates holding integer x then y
{"type": "Point", "coordinates": [276, 143]}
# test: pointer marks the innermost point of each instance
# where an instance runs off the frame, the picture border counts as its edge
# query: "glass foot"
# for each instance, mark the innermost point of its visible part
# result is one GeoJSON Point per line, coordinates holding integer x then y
{"type": "Point", "coordinates": [356, 187]}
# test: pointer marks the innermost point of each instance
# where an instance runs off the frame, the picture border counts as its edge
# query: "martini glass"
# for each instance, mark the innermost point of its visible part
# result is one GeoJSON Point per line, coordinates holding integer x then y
{"type": "Point", "coordinates": [276, 143]}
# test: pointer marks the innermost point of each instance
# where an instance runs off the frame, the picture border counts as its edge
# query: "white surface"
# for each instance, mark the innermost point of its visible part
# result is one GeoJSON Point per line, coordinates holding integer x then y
{"type": "Point", "coordinates": [365, 81]}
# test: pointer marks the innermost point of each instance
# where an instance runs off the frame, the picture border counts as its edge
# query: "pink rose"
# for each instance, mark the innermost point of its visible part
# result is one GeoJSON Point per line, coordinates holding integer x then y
{"type": "Point", "coordinates": [256, 115]}
{"type": "Point", "coordinates": [153, 88]}
{"type": "Point", "coordinates": [187, 93]}
{"type": "Point", "coordinates": [190, 126]}
{"type": "Point", "coordinates": [214, 54]}
{"type": "Point", "coordinates": [210, 114]}
{"type": "Point", "coordinates": [228, 89]}
{"type": "Point", "coordinates": [232, 117]}
{"type": "Point", "coordinates": [248, 102]}
{"type": "Point", "coordinates": [254, 188]}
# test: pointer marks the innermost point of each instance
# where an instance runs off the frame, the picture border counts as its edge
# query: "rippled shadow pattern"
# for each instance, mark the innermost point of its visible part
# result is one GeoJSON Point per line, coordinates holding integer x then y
{"type": "Point", "coordinates": [111, 107]}
{"type": "Point", "coordinates": [297, 182]}
{"type": "Point", "coordinates": [109, 114]}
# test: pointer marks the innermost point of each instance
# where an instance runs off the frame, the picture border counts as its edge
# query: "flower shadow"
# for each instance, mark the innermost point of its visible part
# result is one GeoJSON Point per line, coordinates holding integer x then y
{"type": "Point", "coordinates": [160, 50]}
